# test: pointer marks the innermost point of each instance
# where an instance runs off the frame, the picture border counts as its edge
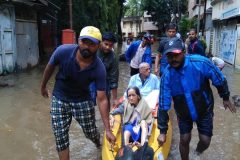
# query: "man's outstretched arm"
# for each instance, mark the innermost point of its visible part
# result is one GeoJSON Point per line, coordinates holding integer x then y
{"type": "Point", "coordinates": [46, 76]}
{"type": "Point", "coordinates": [104, 111]}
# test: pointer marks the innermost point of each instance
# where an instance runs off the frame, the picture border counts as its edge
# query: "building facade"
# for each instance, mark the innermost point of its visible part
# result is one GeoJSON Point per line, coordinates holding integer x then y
{"type": "Point", "coordinates": [226, 28]}
{"type": "Point", "coordinates": [20, 33]}
{"type": "Point", "coordinates": [193, 8]}
{"type": "Point", "coordinates": [133, 26]}
{"type": "Point", "coordinates": [205, 19]}
{"type": "Point", "coordinates": [148, 25]}
{"type": "Point", "coordinates": [7, 39]}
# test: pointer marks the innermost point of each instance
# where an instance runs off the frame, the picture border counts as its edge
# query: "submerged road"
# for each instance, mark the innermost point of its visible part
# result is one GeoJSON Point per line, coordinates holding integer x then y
{"type": "Point", "coordinates": [25, 128]}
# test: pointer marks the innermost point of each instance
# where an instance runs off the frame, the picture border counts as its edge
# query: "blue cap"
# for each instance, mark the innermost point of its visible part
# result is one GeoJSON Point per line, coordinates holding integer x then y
{"type": "Point", "coordinates": [174, 45]}
{"type": "Point", "coordinates": [147, 36]}
{"type": "Point", "coordinates": [109, 36]}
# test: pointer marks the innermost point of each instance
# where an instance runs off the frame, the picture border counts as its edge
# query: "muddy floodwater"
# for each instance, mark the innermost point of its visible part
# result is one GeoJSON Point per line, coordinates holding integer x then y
{"type": "Point", "coordinates": [25, 128]}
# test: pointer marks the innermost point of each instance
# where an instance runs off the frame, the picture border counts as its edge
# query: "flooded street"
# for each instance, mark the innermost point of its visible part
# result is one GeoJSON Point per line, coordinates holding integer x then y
{"type": "Point", "coordinates": [25, 128]}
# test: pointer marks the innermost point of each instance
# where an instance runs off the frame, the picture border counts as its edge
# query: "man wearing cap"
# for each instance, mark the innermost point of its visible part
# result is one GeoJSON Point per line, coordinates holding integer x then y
{"type": "Point", "coordinates": [139, 51]}
{"type": "Point", "coordinates": [78, 67]}
{"type": "Point", "coordinates": [186, 81]}
{"type": "Point", "coordinates": [110, 61]}
{"type": "Point", "coordinates": [171, 32]}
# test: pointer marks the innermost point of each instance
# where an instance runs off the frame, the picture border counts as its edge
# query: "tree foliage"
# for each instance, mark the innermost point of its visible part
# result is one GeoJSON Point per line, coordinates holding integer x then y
{"type": "Point", "coordinates": [165, 11]}
{"type": "Point", "coordinates": [133, 8]}
{"type": "Point", "coordinates": [103, 14]}
{"type": "Point", "coordinates": [186, 24]}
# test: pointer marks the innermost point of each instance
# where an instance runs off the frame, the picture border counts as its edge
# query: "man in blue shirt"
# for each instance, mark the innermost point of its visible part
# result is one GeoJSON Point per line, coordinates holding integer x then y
{"type": "Point", "coordinates": [171, 32]}
{"type": "Point", "coordinates": [195, 46]}
{"type": "Point", "coordinates": [186, 82]}
{"type": "Point", "coordinates": [78, 67]}
{"type": "Point", "coordinates": [144, 80]}
{"type": "Point", "coordinates": [139, 51]}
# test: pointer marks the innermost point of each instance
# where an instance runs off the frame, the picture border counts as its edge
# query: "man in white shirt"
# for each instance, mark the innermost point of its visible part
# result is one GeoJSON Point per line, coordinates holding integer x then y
{"type": "Point", "coordinates": [217, 61]}
{"type": "Point", "coordinates": [139, 51]}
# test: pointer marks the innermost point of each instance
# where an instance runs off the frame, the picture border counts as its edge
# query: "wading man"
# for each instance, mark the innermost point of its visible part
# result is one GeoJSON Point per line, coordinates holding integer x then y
{"type": "Point", "coordinates": [171, 32]}
{"type": "Point", "coordinates": [186, 81]}
{"type": "Point", "coordinates": [110, 61]}
{"type": "Point", "coordinates": [78, 67]}
{"type": "Point", "coordinates": [195, 46]}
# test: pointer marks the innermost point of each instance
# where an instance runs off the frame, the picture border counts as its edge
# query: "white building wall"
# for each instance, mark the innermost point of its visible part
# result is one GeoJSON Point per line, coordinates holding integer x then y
{"type": "Point", "coordinates": [216, 12]}
{"type": "Point", "coordinates": [145, 25]}
{"type": "Point", "coordinates": [237, 60]}
{"type": "Point", "coordinates": [148, 26]}
{"type": "Point", "coordinates": [193, 8]}
{"type": "Point", "coordinates": [130, 27]}
{"type": "Point", "coordinates": [191, 4]}
{"type": "Point", "coordinates": [196, 10]}
{"type": "Point", "coordinates": [208, 5]}
{"type": "Point", "coordinates": [226, 35]}
{"type": "Point", "coordinates": [225, 9]}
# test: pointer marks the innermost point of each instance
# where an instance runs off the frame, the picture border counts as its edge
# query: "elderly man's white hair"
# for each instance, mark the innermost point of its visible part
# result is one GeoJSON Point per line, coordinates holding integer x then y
{"type": "Point", "coordinates": [143, 64]}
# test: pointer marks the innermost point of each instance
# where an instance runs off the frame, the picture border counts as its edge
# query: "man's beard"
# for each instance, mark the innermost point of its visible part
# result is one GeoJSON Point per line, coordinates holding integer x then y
{"type": "Point", "coordinates": [180, 64]}
{"type": "Point", "coordinates": [86, 53]}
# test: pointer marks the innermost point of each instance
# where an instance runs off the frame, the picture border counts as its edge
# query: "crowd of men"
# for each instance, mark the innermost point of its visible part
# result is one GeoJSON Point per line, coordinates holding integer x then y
{"type": "Point", "coordinates": [88, 72]}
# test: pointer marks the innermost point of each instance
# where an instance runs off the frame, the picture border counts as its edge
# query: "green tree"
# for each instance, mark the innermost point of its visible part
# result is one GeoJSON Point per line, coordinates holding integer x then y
{"type": "Point", "coordinates": [186, 24]}
{"type": "Point", "coordinates": [104, 14]}
{"type": "Point", "coordinates": [165, 11]}
{"type": "Point", "coordinates": [134, 9]}
{"type": "Point", "coordinates": [119, 18]}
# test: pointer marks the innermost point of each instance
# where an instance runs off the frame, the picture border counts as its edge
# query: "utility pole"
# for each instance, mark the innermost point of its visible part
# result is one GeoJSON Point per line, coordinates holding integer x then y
{"type": "Point", "coordinates": [70, 14]}
{"type": "Point", "coordinates": [198, 22]}
{"type": "Point", "coordinates": [178, 17]}
{"type": "Point", "coordinates": [204, 17]}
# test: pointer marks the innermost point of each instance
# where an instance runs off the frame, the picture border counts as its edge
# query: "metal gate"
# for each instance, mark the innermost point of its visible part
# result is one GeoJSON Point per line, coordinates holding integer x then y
{"type": "Point", "coordinates": [27, 43]}
{"type": "Point", "coordinates": [6, 40]}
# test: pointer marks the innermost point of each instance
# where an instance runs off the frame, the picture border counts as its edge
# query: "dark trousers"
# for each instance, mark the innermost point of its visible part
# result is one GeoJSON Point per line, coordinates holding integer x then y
{"type": "Point", "coordinates": [134, 71]}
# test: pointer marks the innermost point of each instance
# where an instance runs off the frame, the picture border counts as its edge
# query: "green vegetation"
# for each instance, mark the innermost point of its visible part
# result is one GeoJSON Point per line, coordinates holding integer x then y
{"type": "Point", "coordinates": [186, 24]}
{"type": "Point", "coordinates": [133, 8]}
{"type": "Point", "coordinates": [165, 11]}
{"type": "Point", "coordinates": [104, 14]}
{"type": "Point", "coordinates": [107, 14]}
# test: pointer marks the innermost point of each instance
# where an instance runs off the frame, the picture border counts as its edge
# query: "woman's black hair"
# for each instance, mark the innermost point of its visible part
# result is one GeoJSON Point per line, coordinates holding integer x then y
{"type": "Point", "coordinates": [136, 89]}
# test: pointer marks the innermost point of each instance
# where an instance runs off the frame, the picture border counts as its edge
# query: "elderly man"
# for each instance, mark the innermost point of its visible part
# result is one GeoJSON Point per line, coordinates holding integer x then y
{"type": "Point", "coordinates": [186, 82]}
{"type": "Point", "coordinates": [144, 80]}
{"type": "Point", "coordinates": [78, 67]}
